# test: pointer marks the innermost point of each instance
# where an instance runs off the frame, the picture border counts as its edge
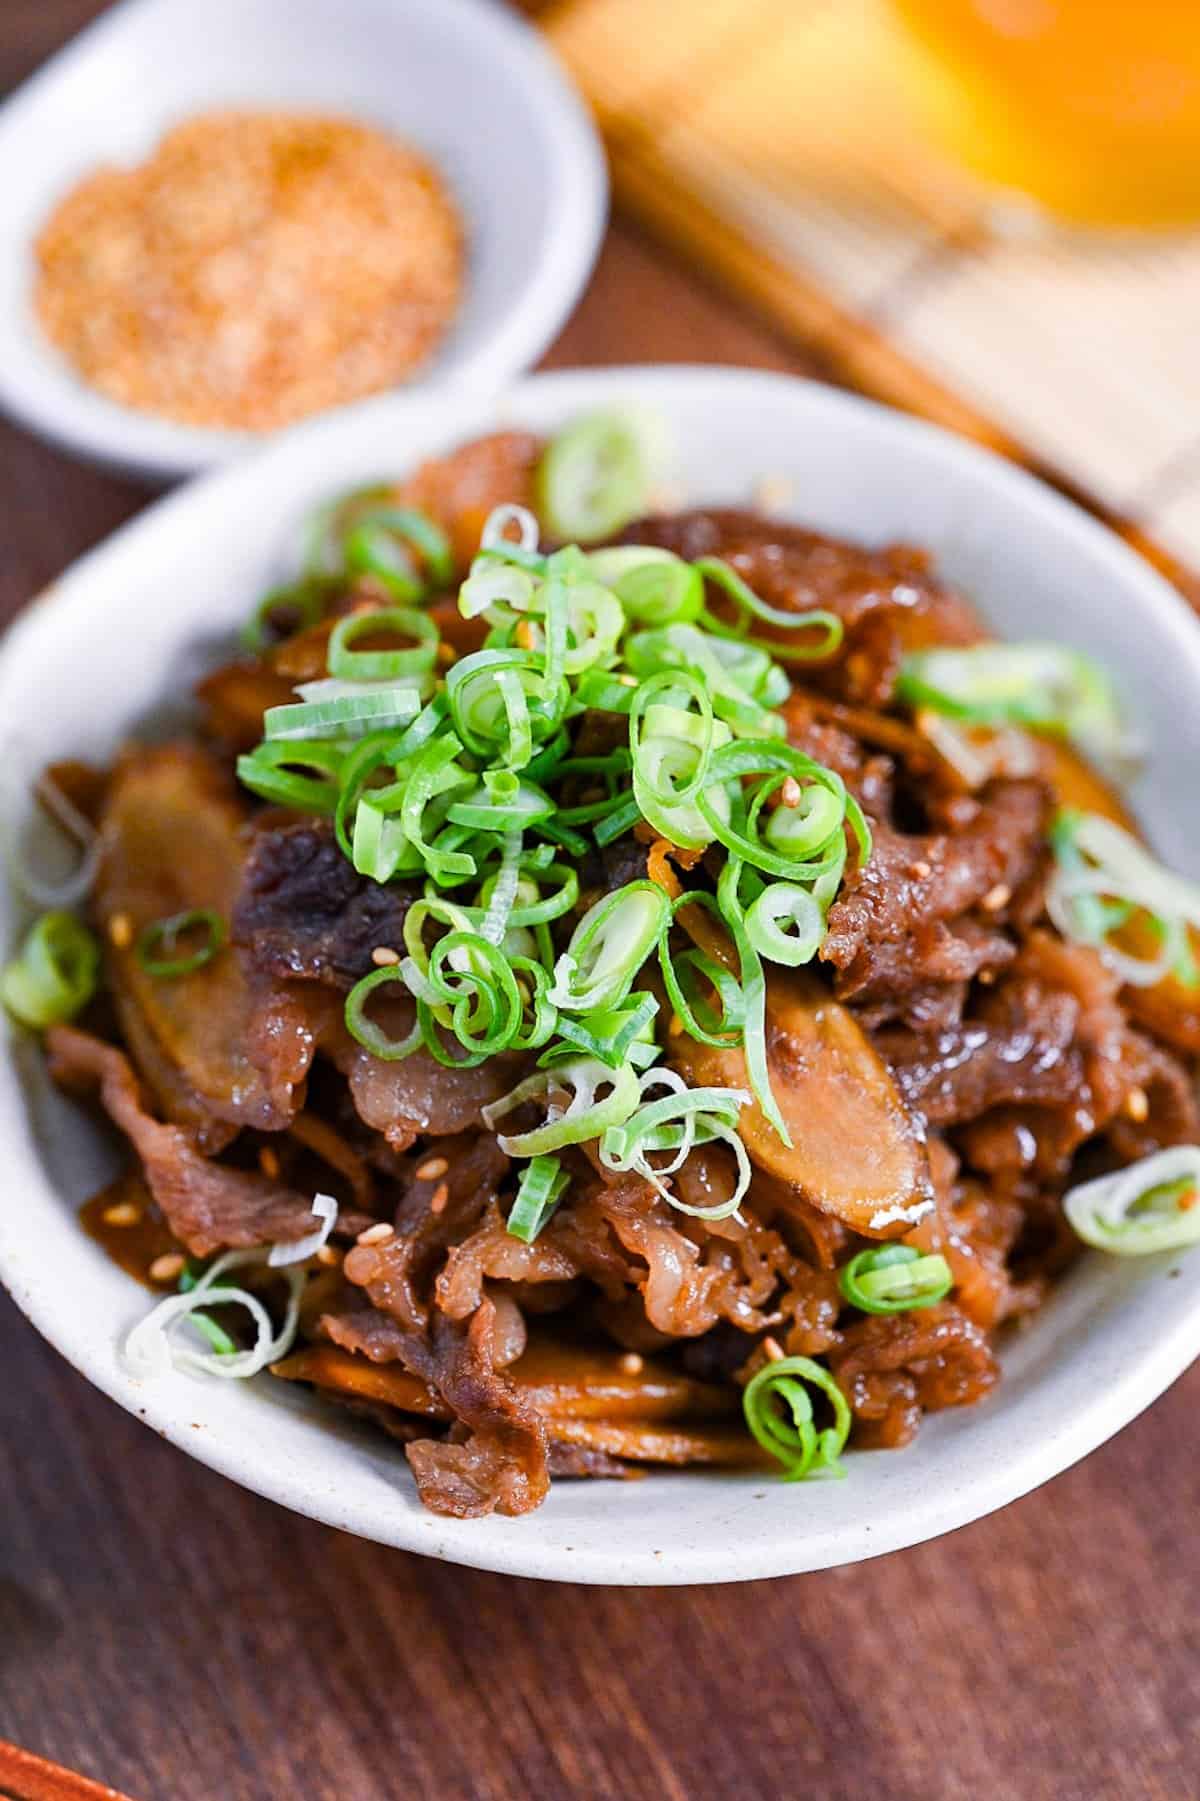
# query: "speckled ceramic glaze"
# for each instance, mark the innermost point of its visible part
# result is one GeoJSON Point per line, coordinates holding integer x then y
{"type": "Point", "coordinates": [465, 81]}
{"type": "Point", "coordinates": [140, 617]}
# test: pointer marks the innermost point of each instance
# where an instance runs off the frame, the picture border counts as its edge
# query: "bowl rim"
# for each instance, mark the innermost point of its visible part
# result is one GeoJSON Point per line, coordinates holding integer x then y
{"type": "Point", "coordinates": [1125, 1384]}
{"type": "Point", "coordinates": [81, 420]}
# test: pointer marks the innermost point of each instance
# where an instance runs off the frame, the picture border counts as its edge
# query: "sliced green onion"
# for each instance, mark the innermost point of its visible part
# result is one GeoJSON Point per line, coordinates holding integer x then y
{"type": "Point", "coordinates": [655, 587]}
{"type": "Point", "coordinates": [608, 947]}
{"type": "Point", "coordinates": [584, 1118]}
{"type": "Point", "coordinates": [895, 1278]}
{"type": "Point", "coordinates": [484, 810]}
{"type": "Point", "coordinates": [343, 710]}
{"type": "Point", "coordinates": [780, 1389]}
{"type": "Point", "coordinates": [324, 531]}
{"type": "Point", "coordinates": [814, 840]}
{"type": "Point", "coordinates": [754, 995]}
{"type": "Point", "coordinates": [381, 848]}
{"type": "Point", "coordinates": [1045, 686]}
{"type": "Point", "coordinates": [305, 601]}
{"type": "Point", "coordinates": [672, 750]}
{"type": "Point", "coordinates": [482, 714]}
{"type": "Point", "coordinates": [305, 777]}
{"type": "Point", "coordinates": [684, 1118]}
{"type": "Point", "coordinates": [1103, 877]}
{"type": "Point", "coordinates": [382, 665]}
{"type": "Point", "coordinates": [496, 531]}
{"type": "Point", "coordinates": [371, 1036]}
{"type": "Point", "coordinates": [783, 904]}
{"type": "Point", "coordinates": [216, 1335]}
{"type": "Point", "coordinates": [696, 1014]}
{"type": "Point", "coordinates": [429, 769]}
{"type": "Point", "coordinates": [742, 680]}
{"type": "Point", "coordinates": [608, 1033]}
{"type": "Point", "coordinates": [748, 606]}
{"type": "Point", "coordinates": [166, 933]}
{"type": "Point", "coordinates": [376, 545]}
{"type": "Point", "coordinates": [54, 974]}
{"type": "Point", "coordinates": [1153, 1205]}
{"type": "Point", "coordinates": [593, 478]}
{"type": "Point", "coordinates": [542, 1184]}
{"type": "Point", "coordinates": [150, 1350]}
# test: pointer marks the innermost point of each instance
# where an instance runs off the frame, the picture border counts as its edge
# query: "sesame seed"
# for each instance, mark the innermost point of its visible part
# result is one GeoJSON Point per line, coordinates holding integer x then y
{"type": "Point", "coordinates": [384, 957]}
{"type": "Point", "coordinates": [120, 930]}
{"type": "Point", "coordinates": [446, 654]}
{"type": "Point", "coordinates": [439, 1198]}
{"type": "Point", "coordinates": [432, 1169]}
{"type": "Point", "coordinates": [268, 1162]}
{"type": "Point", "coordinates": [675, 1025]}
{"type": "Point", "coordinates": [375, 1234]}
{"type": "Point", "coordinates": [122, 1213]}
{"type": "Point", "coordinates": [790, 793]}
{"type": "Point", "coordinates": [167, 1267]}
{"type": "Point", "coordinates": [630, 1364]}
{"type": "Point", "coordinates": [1137, 1105]}
{"type": "Point", "coordinates": [328, 1256]}
{"type": "Point", "coordinates": [772, 1350]}
{"type": "Point", "coordinates": [922, 870]}
{"type": "Point", "coordinates": [996, 897]}
{"type": "Point", "coordinates": [526, 636]}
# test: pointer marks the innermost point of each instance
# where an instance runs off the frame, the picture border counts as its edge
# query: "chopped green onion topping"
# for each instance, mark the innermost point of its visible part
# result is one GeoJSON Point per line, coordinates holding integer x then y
{"type": "Point", "coordinates": [684, 1118]}
{"type": "Point", "coordinates": [779, 1412]}
{"type": "Point", "coordinates": [471, 781]}
{"type": "Point", "coordinates": [164, 934]}
{"type": "Point", "coordinates": [1047, 687]}
{"type": "Point", "coordinates": [1154, 1205]}
{"type": "Point", "coordinates": [895, 1278]}
{"type": "Point", "coordinates": [608, 947]}
{"type": "Point", "coordinates": [303, 776]}
{"type": "Point", "coordinates": [54, 974]}
{"type": "Point", "coordinates": [593, 477]}
{"type": "Point", "coordinates": [586, 1115]}
{"type": "Point", "coordinates": [350, 664]}
{"type": "Point", "coordinates": [1105, 880]}
{"type": "Point", "coordinates": [543, 1182]}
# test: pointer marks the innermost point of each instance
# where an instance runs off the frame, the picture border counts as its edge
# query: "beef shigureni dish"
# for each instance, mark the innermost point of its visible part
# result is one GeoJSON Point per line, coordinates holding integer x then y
{"type": "Point", "coordinates": [598, 991]}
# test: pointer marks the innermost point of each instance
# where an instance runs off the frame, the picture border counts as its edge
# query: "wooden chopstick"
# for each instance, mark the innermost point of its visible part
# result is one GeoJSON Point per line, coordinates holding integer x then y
{"type": "Point", "coordinates": [26, 1777]}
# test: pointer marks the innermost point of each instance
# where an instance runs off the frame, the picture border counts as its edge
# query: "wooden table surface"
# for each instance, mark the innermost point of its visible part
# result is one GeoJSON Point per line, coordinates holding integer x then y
{"type": "Point", "coordinates": [167, 1633]}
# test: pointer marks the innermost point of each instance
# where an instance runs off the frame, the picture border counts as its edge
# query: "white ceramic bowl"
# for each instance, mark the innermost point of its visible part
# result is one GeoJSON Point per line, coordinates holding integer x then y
{"type": "Point", "coordinates": [131, 623]}
{"type": "Point", "coordinates": [466, 81]}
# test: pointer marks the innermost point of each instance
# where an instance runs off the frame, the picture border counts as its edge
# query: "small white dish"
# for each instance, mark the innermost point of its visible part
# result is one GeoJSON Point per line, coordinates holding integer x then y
{"type": "Point", "coordinates": [105, 646]}
{"type": "Point", "coordinates": [465, 81]}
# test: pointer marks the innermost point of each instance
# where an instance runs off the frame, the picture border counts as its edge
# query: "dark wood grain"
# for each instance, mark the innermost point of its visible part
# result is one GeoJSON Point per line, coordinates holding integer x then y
{"type": "Point", "coordinates": [163, 1631]}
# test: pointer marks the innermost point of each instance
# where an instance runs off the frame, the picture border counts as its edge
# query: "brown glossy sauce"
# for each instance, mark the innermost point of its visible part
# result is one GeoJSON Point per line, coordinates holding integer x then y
{"type": "Point", "coordinates": [134, 1246]}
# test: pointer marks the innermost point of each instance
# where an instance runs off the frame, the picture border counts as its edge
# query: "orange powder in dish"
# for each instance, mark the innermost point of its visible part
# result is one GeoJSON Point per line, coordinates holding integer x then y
{"type": "Point", "coordinates": [257, 268]}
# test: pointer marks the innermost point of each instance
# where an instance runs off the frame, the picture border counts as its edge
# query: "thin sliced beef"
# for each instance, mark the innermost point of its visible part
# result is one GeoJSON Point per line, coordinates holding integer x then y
{"type": "Point", "coordinates": [304, 913]}
{"type": "Point", "coordinates": [893, 1367]}
{"type": "Point", "coordinates": [898, 924]}
{"type": "Point", "coordinates": [433, 1212]}
{"type": "Point", "coordinates": [888, 600]}
{"type": "Point", "coordinates": [1023, 1052]}
{"type": "Point", "coordinates": [496, 1458]}
{"type": "Point", "coordinates": [208, 1207]}
{"type": "Point", "coordinates": [417, 1094]}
